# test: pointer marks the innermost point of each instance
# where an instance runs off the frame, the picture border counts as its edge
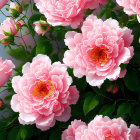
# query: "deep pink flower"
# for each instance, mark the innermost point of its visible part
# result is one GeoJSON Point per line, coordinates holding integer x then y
{"type": "Point", "coordinates": [99, 50]}
{"type": "Point", "coordinates": [2, 3]}
{"type": "Point", "coordinates": [44, 94]}
{"type": "Point", "coordinates": [66, 12]}
{"type": "Point", "coordinates": [8, 26]}
{"type": "Point", "coordinates": [131, 7]}
{"type": "Point", "coordinates": [6, 69]}
{"type": "Point", "coordinates": [113, 89]}
{"type": "Point", "coordinates": [101, 128]}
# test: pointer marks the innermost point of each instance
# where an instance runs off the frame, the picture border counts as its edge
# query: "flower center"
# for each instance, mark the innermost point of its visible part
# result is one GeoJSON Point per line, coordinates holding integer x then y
{"type": "Point", "coordinates": [109, 136]}
{"type": "Point", "coordinates": [43, 89]}
{"type": "Point", "coordinates": [99, 55]}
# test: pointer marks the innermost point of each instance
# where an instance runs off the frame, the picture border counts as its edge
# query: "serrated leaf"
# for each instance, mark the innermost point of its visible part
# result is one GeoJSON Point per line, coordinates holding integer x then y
{"type": "Point", "coordinates": [90, 102]}
{"type": "Point", "coordinates": [107, 109]}
{"type": "Point", "coordinates": [19, 54]}
{"type": "Point", "coordinates": [123, 109]}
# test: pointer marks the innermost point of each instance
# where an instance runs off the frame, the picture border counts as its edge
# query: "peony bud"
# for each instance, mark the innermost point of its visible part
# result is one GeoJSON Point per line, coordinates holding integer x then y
{"type": "Point", "coordinates": [15, 9]}
{"type": "Point", "coordinates": [41, 27]}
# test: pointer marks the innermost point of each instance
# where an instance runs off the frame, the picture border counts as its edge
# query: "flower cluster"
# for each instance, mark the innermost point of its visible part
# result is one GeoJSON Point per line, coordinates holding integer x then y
{"type": "Point", "coordinates": [101, 128]}
{"type": "Point", "coordinates": [44, 94]}
{"type": "Point", "coordinates": [99, 50]}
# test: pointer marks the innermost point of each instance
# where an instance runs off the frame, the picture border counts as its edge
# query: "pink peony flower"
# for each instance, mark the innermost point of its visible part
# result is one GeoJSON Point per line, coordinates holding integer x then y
{"type": "Point", "coordinates": [44, 94]}
{"type": "Point", "coordinates": [69, 134]}
{"type": "Point", "coordinates": [41, 27]}
{"type": "Point", "coordinates": [66, 12]}
{"type": "Point", "coordinates": [131, 7]}
{"type": "Point", "coordinates": [6, 69]}
{"type": "Point", "coordinates": [15, 9]}
{"type": "Point", "coordinates": [2, 3]}
{"type": "Point", "coordinates": [8, 29]}
{"type": "Point", "coordinates": [101, 128]}
{"type": "Point", "coordinates": [99, 50]}
{"type": "Point", "coordinates": [134, 133]}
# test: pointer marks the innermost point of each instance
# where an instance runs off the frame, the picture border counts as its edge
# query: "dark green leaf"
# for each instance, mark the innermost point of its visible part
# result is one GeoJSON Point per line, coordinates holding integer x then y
{"type": "Point", "coordinates": [131, 81]}
{"type": "Point", "coordinates": [90, 102]}
{"type": "Point", "coordinates": [123, 109]}
{"type": "Point", "coordinates": [107, 109]}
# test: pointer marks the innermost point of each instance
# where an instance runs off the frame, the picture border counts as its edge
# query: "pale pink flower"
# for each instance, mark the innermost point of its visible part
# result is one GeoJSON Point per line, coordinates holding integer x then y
{"type": "Point", "coordinates": [66, 12]}
{"type": "Point", "coordinates": [131, 7]}
{"type": "Point", "coordinates": [8, 26]}
{"type": "Point", "coordinates": [101, 128]}
{"type": "Point", "coordinates": [2, 3]}
{"type": "Point", "coordinates": [69, 134]}
{"type": "Point", "coordinates": [44, 94]}
{"type": "Point", "coordinates": [41, 27]}
{"type": "Point", "coordinates": [6, 69]}
{"type": "Point", "coordinates": [134, 133]}
{"type": "Point", "coordinates": [99, 50]}
{"type": "Point", "coordinates": [104, 128]}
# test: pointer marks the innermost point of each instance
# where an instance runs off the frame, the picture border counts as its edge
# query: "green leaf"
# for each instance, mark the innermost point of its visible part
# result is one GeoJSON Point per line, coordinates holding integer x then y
{"type": "Point", "coordinates": [19, 54]}
{"type": "Point", "coordinates": [90, 102]}
{"type": "Point", "coordinates": [55, 135]}
{"type": "Point", "coordinates": [34, 7]}
{"type": "Point", "coordinates": [135, 112]}
{"type": "Point", "coordinates": [25, 132]}
{"type": "Point", "coordinates": [123, 109]}
{"type": "Point", "coordinates": [55, 58]}
{"type": "Point", "coordinates": [43, 46]}
{"type": "Point", "coordinates": [107, 110]}
{"type": "Point", "coordinates": [9, 97]}
{"type": "Point", "coordinates": [131, 81]}
{"type": "Point", "coordinates": [13, 133]}
{"type": "Point", "coordinates": [81, 83]}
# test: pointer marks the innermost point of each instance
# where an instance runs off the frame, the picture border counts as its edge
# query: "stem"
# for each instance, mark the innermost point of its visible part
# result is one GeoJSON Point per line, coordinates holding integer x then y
{"type": "Point", "coordinates": [3, 13]}
{"type": "Point", "coordinates": [3, 91]}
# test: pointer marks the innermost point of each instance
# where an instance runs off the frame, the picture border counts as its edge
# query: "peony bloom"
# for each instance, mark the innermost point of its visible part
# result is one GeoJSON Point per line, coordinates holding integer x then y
{"type": "Point", "coordinates": [131, 7]}
{"type": "Point", "coordinates": [15, 9]}
{"type": "Point", "coordinates": [66, 12]}
{"type": "Point", "coordinates": [2, 3]}
{"type": "Point", "coordinates": [41, 27]}
{"type": "Point", "coordinates": [44, 94]}
{"type": "Point", "coordinates": [135, 132]}
{"type": "Point", "coordinates": [101, 128]}
{"type": "Point", "coordinates": [76, 125]}
{"type": "Point", "coordinates": [8, 29]}
{"type": "Point", "coordinates": [99, 50]}
{"type": "Point", "coordinates": [6, 69]}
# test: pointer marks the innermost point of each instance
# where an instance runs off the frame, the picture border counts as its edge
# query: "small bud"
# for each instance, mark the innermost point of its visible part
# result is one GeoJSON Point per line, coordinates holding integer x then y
{"type": "Point", "coordinates": [15, 9]}
{"type": "Point", "coordinates": [41, 27]}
